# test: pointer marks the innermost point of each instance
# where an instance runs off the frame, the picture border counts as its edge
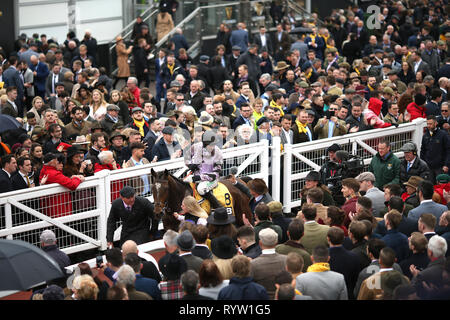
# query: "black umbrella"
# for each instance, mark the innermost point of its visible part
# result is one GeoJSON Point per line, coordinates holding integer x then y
{"type": "Point", "coordinates": [23, 266]}
{"type": "Point", "coordinates": [8, 123]}
{"type": "Point", "coordinates": [301, 30]}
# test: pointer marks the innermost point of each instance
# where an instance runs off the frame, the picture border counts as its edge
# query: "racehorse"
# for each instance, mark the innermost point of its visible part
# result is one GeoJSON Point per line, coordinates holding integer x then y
{"type": "Point", "coordinates": [169, 191]}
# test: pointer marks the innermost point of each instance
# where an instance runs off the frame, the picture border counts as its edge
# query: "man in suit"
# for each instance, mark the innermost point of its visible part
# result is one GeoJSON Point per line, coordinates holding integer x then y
{"type": "Point", "coordinates": [239, 37]}
{"type": "Point", "coordinates": [281, 44]}
{"type": "Point", "coordinates": [136, 214]}
{"type": "Point", "coordinates": [186, 243]}
{"type": "Point", "coordinates": [394, 238]}
{"type": "Point", "coordinates": [142, 283]}
{"type": "Point", "coordinates": [372, 287]}
{"type": "Point", "coordinates": [320, 282]}
{"type": "Point", "coordinates": [265, 267]}
{"type": "Point", "coordinates": [166, 148]}
{"type": "Point", "coordinates": [286, 134]}
{"type": "Point", "coordinates": [154, 133]}
{"type": "Point", "coordinates": [40, 73]}
{"type": "Point", "coordinates": [195, 97]}
{"type": "Point", "coordinates": [53, 78]}
{"type": "Point", "coordinates": [262, 39]}
{"type": "Point", "coordinates": [10, 107]}
{"type": "Point", "coordinates": [427, 225]}
{"type": "Point", "coordinates": [419, 64]}
{"type": "Point", "coordinates": [9, 166]}
{"type": "Point", "coordinates": [301, 129]}
{"type": "Point", "coordinates": [21, 180]}
{"type": "Point", "coordinates": [315, 234]}
{"type": "Point", "coordinates": [427, 205]}
{"type": "Point", "coordinates": [407, 225]}
{"type": "Point", "coordinates": [343, 261]}
{"type": "Point", "coordinates": [11, 78]}
{"type": "Point", "coordinates": [244, 117]}
{"type": "Point", "coordinates": [263, 221]}
{"type": "Point", "coordinates": [374, 247]}
{"type": "Point", "coordinates": [432, 274]}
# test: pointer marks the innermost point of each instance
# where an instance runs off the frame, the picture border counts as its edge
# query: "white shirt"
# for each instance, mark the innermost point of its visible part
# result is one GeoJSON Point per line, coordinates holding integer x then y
{"type": "Point", "coordinates": [425, 201]}
{"type": "Point", "coordinates": [263, 40]}
{"type": "Point", "coordinates": [386, 269]}
{"type": "Point", "coordinates": [416, 65]}
{"type": "Point", "coordinates": [268, 251]}
{"type": "Point", "coordinates": [24, 177]}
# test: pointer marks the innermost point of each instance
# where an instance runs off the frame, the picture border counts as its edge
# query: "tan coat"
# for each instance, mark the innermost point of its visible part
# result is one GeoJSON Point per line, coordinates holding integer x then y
{"type": "Point", "coordinates": [164, 24]}
{"type": "Point", "coordinates": [224, 266]}
{"type": "Point", "coordinates": [122, 60]}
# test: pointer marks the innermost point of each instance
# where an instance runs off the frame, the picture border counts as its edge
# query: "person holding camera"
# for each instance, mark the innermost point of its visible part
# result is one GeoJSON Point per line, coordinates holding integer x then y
{"type": "Point", "coordinates": [330, 126]}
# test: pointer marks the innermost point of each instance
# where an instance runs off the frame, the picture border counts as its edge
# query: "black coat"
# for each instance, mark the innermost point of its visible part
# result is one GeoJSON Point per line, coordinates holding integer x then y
{"type": "Point", "coordinates": [420, 260]}
{"type": "Point", "coordinates": [283, 222]}
{"type": "Point", "coordinates": [218, 74]}
{"type": "Point", "coordinates": [346, 263]}
{"type": "Point", "coordinates": [435, 150]}
{"type": "Point", "coordinates": [406, 226]}
{"type": "Point", "coordinates": [202, 252]}
{"type": "Point", "coordinates": [431, 275]}
{"type": "Point", "coordinates": [18, 182]}
{"type": "Point", "coordinates": [140, 60]}
{"type": "Point", "coordinates": [160, 150]}
{"type": "Point", "coordinates": [355, 123]}
{"type": "Point", "coordinates": [135, 225]}
{"type": "Point", "coordinates": [5, 182]}
{"type": "Point", "coordinates": [419, 168]}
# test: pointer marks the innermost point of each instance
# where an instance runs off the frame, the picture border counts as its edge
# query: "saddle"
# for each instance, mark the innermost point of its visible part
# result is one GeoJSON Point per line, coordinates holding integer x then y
{"type": "Point", "coordinates": [222, 194]}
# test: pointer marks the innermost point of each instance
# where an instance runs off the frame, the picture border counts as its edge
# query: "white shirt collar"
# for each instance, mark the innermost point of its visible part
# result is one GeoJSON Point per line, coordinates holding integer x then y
{"type": "Point", "coordinates": [259, 197]}
{"type": "Point", "coordinates": [425, 201]}
{"type": "Point", "coordinates": [9, 175]}
{"type": "Point", "coordinates": [268, 251]}
{"type": "Point", "coordinates": [386, 269]}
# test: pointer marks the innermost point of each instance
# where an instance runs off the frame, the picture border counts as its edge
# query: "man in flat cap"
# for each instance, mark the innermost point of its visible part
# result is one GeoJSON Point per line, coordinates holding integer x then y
{"type": "Point", "coordinates": [136, 213]}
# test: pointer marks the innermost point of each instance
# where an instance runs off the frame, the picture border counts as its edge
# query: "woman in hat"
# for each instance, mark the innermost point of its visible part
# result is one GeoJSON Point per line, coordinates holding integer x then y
{"type": "Point", "coordinates": [98, 105]}
{"type": "Point", "coordinates": [164, 24]}
{"type": "Point", "coordinates": [74, 164]}
{"type": "Point", "coordinates": [191, 211]}
{"type": "Point", "coordinates": [117, 99]}
{"type": "Point", "coordinates": [224, 249]}
{"type": "Point", "coordinates": [84, 95]}
{"type": "Point", "coordinates": [411, 196]}
{"type": "Point", "coordinates": [221, 223]}
{"type": "Point", "coordinates": [123, 67]}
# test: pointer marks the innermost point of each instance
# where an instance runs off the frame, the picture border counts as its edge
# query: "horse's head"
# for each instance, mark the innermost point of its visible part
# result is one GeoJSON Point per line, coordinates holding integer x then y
{"type": "Point", "coordinates": [160, 190]}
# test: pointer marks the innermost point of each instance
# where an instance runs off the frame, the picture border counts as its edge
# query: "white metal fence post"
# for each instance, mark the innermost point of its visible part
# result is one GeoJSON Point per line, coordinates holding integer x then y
{"type": "Point", "coordinates": [276, 168]}
{"type": "Point", "coordinates": [103, 205]}
{"type": "Point", "coordinates": [418, 133]}
{"type": "Point", "coordinates": [287, 178]}
{"type": "Point", "coordinates": [265, 161]}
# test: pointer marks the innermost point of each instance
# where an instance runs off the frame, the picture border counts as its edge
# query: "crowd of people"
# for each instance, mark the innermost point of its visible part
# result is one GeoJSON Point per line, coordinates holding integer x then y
{"type": "Point", "coordinates": [388, 225]}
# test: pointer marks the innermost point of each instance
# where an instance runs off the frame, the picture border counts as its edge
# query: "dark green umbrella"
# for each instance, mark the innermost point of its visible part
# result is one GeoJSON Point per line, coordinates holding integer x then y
{"type": "Point", "coordinates": [23, 265]}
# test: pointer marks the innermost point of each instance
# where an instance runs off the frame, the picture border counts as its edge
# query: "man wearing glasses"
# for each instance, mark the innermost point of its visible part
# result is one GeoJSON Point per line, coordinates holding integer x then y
{"type": "Point", "coordinates": [244, 118]}
{"type": "Point", "coordinates": [443, 120]}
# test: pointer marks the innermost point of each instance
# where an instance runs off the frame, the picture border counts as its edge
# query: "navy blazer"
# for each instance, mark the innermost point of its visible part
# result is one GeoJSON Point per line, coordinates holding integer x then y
{"type": "Point", "coordinates": [346, 263]}
{"type": "Point", "coordinates": [265, 199]}
{"type": "Point", "coordinates": [406, 226]}
{"type": "Point", "coordinates": [18, 183]}
{"type": "Point", "coordinates": [11, 78]}
{"type": "Point", "coordinates": [160, 150]}
{"type": "Point", "coordinates": [398, 242]}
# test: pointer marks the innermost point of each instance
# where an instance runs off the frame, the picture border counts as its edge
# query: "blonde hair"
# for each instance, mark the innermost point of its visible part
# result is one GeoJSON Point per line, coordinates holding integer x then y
{"type": "Point", "coordinates": [96, 106]}
{"type": "Point", "coordinates": [86, 287]}
{"type": "Point", "coordinates": [35, 99]}
{"type": "Point", "coordinates": [194, 208]}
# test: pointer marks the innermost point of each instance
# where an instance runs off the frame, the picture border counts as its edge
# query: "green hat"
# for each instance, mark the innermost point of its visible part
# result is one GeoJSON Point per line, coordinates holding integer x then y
{"type": "Point", "coordinates": [443, 178]}
{"type": "Point", "coordinates": [303, 84]}
{"type": "Point", "coordinates": [388, 91]}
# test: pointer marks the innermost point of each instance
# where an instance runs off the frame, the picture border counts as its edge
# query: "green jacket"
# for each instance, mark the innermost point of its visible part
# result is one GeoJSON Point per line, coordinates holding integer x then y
{"type": "Point", "coordinates": [271, 225]}
{"type": "Point", "coordinates": [386, 171]}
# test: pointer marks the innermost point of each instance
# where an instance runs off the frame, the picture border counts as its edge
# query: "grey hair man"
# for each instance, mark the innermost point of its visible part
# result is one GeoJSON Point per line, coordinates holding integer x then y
{"type": "Point", "coordinates": [126, 277]}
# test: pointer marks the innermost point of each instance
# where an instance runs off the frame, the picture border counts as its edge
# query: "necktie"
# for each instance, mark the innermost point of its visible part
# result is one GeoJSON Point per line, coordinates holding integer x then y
{"type": "Point", "coordinates": [129, 209]}
{"type": "Point", "coordinates": [53, 83]}
{"type": "Point", "coordinates": [409, 166]}
{"type": "Point", "coordinates": [28, 181]}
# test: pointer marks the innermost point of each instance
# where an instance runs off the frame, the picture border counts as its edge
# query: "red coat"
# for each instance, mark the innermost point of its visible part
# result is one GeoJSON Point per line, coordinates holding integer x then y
{"type": "Point", "coordinates": [58, 205]}
{"type": "Point", "coordinates": [349, 206]}
{"type": "Point", "coordinates": [116, 186]}
{"type": "Point", "coordinates": [416, 111]}
{"type": "Point", "coordinates": [439, 189]}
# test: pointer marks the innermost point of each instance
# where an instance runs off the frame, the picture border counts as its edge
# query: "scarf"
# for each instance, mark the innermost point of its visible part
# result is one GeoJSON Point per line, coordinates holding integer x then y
{"type": "Point", "coordinates": [274, 105]}
{"type": "Point", "coordinates": [171, 67]}
{"type": "Point", "coordinates": [301, 127]}
{"type": "Point", "coordinates": [5, 147]}
{"type": "Point", "coordinates": [309, 74]}
{"type": "Point", "coordinates": [357, 71]}
{"type": "Point", "coordinates": [319, 267]}
{"type": "Point", "coordinates": [140, 125]}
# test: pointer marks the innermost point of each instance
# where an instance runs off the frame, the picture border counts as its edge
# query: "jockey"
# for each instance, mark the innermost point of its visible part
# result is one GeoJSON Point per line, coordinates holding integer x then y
{"type": "Point", "coordinates": [205, 161]}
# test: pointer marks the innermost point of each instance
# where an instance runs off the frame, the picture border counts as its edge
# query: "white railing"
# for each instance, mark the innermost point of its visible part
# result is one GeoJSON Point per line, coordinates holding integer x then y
{"type": "Point", "coordinates": [82, 214]}
{"type": "Point", "coordinates": [79, 217]}
{"type": "Point", "coordinates": [299, 159]}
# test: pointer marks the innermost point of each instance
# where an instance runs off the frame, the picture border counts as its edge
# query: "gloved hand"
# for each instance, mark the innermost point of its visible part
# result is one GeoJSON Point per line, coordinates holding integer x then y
{"type": "Point", "coordinates": [193, 167]}
{"type": "Point", "coordinates": [196, 178]}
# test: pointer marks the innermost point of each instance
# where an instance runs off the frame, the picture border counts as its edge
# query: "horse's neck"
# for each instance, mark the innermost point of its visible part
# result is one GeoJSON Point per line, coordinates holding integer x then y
{"type": "Point", "coordinates": [176, 196]}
